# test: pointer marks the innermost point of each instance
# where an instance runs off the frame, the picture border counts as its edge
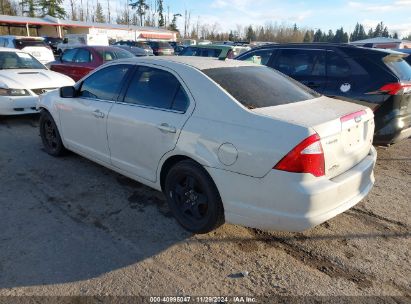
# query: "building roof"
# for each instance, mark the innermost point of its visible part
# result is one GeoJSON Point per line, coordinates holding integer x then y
{"type": "Point", "coordinates": [380, 40]}
{"type": "Point", "coordinates": [48, 20]}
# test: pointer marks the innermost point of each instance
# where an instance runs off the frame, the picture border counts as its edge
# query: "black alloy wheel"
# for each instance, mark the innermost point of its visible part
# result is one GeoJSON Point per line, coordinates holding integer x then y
{"type": "Point", "coordinates": [193, 197]}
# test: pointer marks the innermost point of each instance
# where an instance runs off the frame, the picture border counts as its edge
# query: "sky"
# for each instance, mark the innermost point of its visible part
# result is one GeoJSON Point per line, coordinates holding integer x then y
{"type": "Point", "coordinates": [314, 14]}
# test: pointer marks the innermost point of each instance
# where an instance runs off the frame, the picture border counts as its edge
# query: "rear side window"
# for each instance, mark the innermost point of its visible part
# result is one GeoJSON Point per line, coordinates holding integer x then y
{"type": "Point", "coordinates": [259, 86]}
{"type": "Point", "coordinates": [156, 88]}
{"type": "Point", "coordinates": [302, 62]}
{"type": "Point", "coordinates": [105, 83]}
{"type": "Point", "coordinates": [82, 56]}
{"type": "Point", "coordinates": [22, 43]}
{"type": "Point", "coordinates": [337, 66]}
{"type": "Point", "coordinates": [399, 67]}
{"type": "Point", "coordinates": [258, 56]}
{"type": "Point", "coordinates": [110, 55]}
{"type": "Point", "coordinates": [68, 55]}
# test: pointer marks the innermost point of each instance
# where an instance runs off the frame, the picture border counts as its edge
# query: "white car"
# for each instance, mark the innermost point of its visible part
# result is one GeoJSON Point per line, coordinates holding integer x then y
{"type": "Point", "coordinates": [225, 140]}
{"type": "Point", "coordinates": [32, 45]}
{"type": "Point", "coordinates": [22, 80]}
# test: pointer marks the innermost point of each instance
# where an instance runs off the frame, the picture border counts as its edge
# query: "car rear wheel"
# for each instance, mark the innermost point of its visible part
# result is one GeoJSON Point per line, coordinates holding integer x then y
{"type": "Point", "coordinates": [193, 197]}
{"type": "Point", "coordinates": [50, 135]}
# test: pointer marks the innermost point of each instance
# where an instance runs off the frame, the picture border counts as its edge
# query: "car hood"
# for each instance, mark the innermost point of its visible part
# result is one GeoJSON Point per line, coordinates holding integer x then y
{"type": "Point", "coordinates": [33, 79]}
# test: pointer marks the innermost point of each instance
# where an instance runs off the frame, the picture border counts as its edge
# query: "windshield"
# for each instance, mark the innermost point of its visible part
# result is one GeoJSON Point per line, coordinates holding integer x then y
{"type": "Point", "coordinates": [19, 60]}
{"type": "Point", "coordinates": [259, 86]}
{"type": "Point", "coordinates": [399, 66]}
{"type": "Point", "coordinates": [22, 43]}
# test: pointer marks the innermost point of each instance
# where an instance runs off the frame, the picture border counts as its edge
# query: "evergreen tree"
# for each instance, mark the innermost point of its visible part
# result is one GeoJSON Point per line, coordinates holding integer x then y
{"type": "Point", "coordinates": [141, 7]}
{"type": "Point", "coordinates": [318, 36]}
{"type": "Point", "coordinates": [52, 8]}
{"type": "Point", "coordinates": [250, 36]}
{"type": "Point", "coordinates": [395, 36]}
{"type": "Point", "coordinates": [330, 36]}
{"type": "Point", "coordinates": [160, 10]}
{"type": "Point", "coordinates": [308, 37]}
{"type": "Point", "coordinates": [28, 8]}
{"type": "Point", "coordinates": [99, 17]}
{"type": "Point", "coordinates": [173, 25]}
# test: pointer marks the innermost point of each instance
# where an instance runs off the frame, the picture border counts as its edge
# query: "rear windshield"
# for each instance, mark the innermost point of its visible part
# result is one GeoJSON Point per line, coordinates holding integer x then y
{"type": "Point", "coordinates": [22, 43]}
{"type": "Point", "coordinates": [399, 66]}
{"type": "Point", "coordinates": [201, 52]}
{"type": "Point", "coordinates": [161, 44]}
{"type": "Point", "coordinates": [19, 60]}
{"type": "Point", "coordinates": [260, 87]}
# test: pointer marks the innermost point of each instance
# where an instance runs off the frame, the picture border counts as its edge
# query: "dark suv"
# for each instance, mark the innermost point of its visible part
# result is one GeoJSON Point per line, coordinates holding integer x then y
{"type": "Point", "coordinates": [380, 79]}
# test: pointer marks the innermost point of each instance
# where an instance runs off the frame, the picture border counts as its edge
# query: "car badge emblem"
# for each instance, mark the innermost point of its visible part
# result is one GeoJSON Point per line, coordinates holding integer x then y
{"type": "Point", "coordinates": [358, 119]}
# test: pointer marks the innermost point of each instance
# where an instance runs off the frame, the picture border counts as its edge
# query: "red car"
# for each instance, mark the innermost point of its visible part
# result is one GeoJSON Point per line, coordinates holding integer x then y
{"type": "Point", "coordinates": [78, 62]}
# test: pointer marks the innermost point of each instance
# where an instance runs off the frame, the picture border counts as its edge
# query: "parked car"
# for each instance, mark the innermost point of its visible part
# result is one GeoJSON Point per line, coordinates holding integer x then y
{"type": "Point", "coordinates": [136, 51]}
{"type": "Point", "coordinates": [22, 79]}
{"type": "Point", "coordinates": [78, 62]}
{"type": "Point", "coordinates": [77, 40]}
{"type": "Point", "coordinates": [212, 50]}
{"type": "Point", "coordinates": [223, 139]}
{"type": "Point", "coordinates": [139, 44]}
{"type": "Point", "coordinates": [161, 48]}
{"type": "Point", "coordinates": [53, 42]}
{"type": "Point", "coordinates": [381, 79]}
{"type": "Point", "coordinates": [406, 51]}
{"type": "Point", "coordinates": [32, 45]}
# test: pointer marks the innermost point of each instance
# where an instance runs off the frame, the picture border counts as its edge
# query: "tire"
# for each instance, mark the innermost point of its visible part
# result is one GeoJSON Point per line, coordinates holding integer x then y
{"type": "Point", "coordinates": [50, 135]}
{"type": "Point", "coordinates": [193, 197]}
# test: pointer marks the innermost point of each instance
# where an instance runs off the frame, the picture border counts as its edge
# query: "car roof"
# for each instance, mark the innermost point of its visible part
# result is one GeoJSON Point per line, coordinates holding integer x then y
{"type": "Point", "coordinates": [212, 46]}
{"type": "Point", "coordinates": [200, 63]}
{"type": "Point", "coordinates": [3, 49]}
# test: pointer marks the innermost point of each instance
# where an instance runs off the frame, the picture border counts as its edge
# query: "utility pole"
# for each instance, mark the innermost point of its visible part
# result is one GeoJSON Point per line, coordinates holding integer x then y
{"type": "Point", "coordinates": [108, 10]}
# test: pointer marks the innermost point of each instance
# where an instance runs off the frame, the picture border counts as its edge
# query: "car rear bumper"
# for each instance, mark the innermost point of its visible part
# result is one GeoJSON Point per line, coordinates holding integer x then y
{"type": "Point", "coordinates": [292, 202]}
{"type": "Point", "coordinates": [18, 105]}
{"type": "Point", "coordinates": [397, 129]}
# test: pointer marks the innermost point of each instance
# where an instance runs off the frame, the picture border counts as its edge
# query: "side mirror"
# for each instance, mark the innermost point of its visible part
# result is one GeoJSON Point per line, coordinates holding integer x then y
{"type": "Point", "coordinates": [67, 92]}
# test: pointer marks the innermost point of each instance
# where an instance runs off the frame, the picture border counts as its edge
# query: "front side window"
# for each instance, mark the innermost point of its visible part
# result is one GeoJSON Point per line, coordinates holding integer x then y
{"type": "Point", "coordinates": [259, 86]}
{"type": "Point", "coordinates": [19, 60]}
{"type": "Point", "coordinates": [156, 88]}
{"type": "Point", "coordinates": [258, 56]}
{"type": "Point", "coordinates": [68, 55]}
{"type": "Point", "coordinates": [104, 84]}
{"type": "Point", "coordinates": [293, 62]}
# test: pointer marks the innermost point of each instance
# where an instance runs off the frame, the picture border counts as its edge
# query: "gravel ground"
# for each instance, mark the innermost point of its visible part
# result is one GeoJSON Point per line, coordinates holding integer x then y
{"type": "Point", "coordinates": [71, 227]}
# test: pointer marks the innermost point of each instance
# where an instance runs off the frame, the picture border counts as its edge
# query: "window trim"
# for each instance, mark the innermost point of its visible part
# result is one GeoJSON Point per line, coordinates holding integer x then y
{"type": "Point", "coordinates": [125, 88]}
{"type": "Point", "coordinates": [116, 95]}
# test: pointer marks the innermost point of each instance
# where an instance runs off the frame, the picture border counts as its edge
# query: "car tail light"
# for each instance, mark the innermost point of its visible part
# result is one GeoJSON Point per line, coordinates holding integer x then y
{"type": "Point", "coordinates": [395, 88]}
{"type": "Point", "coordinates": [306, 157]}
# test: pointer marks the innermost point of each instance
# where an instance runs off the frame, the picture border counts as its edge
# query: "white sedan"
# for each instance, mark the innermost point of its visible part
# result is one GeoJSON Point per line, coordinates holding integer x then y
{"type": "Point", "coordinates": [22, 79]}
{"type": "Point", "coordinates": [224, 140]}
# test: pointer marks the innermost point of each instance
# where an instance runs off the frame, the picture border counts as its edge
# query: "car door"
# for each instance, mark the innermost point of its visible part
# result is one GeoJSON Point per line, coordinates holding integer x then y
{"type": "Point", "coordinates": [147, 122]}
{"type": "Point", "coordinates": [84, 118]}
{"type": "Point", "coordinates": [341, 79]}
{"type": "Point", "coordinates": [82, 63]}
{"type": "Point", "coordinates": [307, 66]}
{"type": "Point", "coordinates": [65, 64]}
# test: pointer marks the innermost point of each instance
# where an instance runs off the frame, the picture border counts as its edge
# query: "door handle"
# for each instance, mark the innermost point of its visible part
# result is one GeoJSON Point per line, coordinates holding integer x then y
{"type": "Point", "coordinates": [98, 114]}
{"type": "Point", "coordinates": [167, 128]}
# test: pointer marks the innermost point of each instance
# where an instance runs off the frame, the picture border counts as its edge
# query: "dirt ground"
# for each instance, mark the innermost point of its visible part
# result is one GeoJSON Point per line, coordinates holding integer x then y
{"type": "Point", "coordinates": [71, 227]}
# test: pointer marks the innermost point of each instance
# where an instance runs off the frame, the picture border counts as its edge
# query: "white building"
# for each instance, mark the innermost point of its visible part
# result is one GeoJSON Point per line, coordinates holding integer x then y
{"type": "Point", "coordinates": [54, 27]}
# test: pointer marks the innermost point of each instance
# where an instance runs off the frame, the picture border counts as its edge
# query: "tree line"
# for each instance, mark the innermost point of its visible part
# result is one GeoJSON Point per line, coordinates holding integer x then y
{"type": "Point", "coordinates": [158, 13]}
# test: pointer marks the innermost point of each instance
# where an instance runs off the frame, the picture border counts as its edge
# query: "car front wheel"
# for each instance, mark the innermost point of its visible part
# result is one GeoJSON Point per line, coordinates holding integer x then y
{"type": "Point", "coordinates": [193, 197]}
{"type": "Point", "coordinates": [50, 135]}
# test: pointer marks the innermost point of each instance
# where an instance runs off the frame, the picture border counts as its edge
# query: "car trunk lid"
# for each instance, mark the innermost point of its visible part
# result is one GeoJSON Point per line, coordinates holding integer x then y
{"type": "Point", "coordinates": [346, 129]}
